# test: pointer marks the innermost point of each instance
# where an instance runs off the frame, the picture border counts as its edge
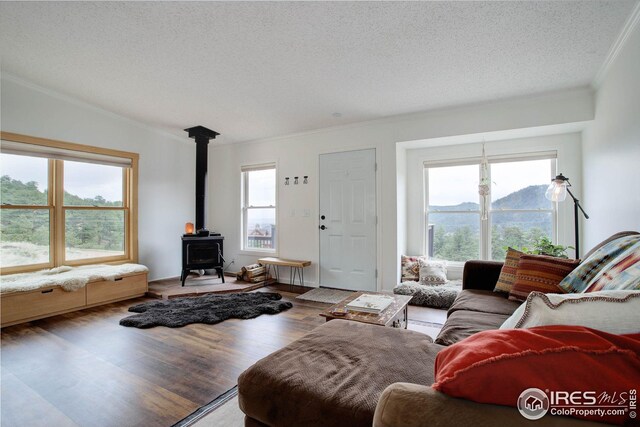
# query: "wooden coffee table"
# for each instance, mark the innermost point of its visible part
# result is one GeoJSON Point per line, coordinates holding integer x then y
{"type": "Point", "coordinates": [395, 316]}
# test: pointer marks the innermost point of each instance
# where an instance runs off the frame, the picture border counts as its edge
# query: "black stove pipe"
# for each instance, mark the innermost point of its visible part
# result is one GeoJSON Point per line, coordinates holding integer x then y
{"type": "Point", "coordinates": [202, 135]}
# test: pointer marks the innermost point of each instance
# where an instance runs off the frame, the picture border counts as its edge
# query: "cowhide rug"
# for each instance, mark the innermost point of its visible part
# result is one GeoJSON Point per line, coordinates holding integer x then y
{"type": "Point", "coordinates": [209, 309]}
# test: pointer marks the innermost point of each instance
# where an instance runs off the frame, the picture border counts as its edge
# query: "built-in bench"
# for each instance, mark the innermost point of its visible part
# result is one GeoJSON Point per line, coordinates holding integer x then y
{"type": "Point", "coordinates": [32, 296]}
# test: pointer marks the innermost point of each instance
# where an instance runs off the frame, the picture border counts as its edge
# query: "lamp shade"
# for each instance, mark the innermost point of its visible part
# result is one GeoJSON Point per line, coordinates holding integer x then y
{"type": "Point", "coordinates": [557, 190]}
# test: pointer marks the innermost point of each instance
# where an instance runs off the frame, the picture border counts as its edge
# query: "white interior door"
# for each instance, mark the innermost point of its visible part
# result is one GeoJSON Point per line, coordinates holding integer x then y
{"type": "Point", "coordinates": [348, 220]}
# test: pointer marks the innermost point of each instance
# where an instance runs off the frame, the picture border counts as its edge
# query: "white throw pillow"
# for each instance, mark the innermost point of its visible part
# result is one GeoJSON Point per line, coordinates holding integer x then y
{"type": "Point", "coordinates": [433, 272]}
{"type": "Point", "coordinates": [615, 312]}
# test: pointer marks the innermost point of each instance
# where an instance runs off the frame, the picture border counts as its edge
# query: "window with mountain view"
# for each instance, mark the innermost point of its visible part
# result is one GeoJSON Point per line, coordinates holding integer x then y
{"type": "Point", "coordinates": [94, 211]}
{"type": "Point", "coordinates": [516, 212]}
{"type": "Point", "coordinates": [259, 208]}
{"type": "Point", "coordinates": [58, 209]}
{"type": "Point", "coordinates": [27, 210]}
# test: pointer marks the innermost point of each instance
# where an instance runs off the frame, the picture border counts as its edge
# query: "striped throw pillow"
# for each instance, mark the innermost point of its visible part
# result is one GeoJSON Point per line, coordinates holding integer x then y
{"type": "Point", "coordinates": [540, 273]}
{"type": "Point", "coordinates": [508, 272]}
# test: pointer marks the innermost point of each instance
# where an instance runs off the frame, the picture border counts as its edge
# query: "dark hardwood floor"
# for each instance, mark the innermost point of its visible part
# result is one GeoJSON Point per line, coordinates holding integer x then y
{"type": "Point", "coordinates": [83, 368]}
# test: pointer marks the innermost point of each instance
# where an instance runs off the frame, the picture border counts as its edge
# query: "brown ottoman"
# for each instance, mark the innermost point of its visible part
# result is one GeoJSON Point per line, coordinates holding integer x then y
{"type": "Point", "coordinates": [334, 375]}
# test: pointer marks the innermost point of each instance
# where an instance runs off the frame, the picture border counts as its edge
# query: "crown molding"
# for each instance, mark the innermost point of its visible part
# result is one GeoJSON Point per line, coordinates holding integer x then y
{"type": "Point", "coordinates": [630, 25]}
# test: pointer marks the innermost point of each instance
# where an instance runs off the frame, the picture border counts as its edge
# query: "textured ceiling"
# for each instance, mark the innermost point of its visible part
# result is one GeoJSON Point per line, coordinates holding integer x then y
{"type": "Point", "coordinates": [257, 69]}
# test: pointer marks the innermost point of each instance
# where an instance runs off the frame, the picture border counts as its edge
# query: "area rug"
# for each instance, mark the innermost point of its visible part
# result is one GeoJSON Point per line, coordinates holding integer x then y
{"type": "Point", "coordinates": [221, 411]}
{"type": "Point", "coordinates": [436, 296]}
{"type": "Point", "coordinates": [330, 296]}
{"type": "Point", "coordinates": [209, 309]}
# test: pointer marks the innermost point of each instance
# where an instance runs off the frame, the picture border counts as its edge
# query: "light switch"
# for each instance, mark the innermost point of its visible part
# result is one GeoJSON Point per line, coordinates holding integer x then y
{"type": "Point", "coordinates": [306, 213]}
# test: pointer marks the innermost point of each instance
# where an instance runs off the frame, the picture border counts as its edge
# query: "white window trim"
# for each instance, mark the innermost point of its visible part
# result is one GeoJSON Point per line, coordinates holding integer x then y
{"type": "Point", "coordinates": [244, 208]}
{"type": "Point", "coordinates": [485, 225]}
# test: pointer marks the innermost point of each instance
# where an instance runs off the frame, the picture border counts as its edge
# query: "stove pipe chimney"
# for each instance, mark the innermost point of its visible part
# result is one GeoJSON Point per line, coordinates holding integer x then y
{"type": "Point", "coordinates": [202, 135]}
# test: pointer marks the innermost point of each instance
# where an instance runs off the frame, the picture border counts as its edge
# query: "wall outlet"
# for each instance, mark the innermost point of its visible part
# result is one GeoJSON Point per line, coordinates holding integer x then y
{"type": "Point", "coordinates": [306, 213]}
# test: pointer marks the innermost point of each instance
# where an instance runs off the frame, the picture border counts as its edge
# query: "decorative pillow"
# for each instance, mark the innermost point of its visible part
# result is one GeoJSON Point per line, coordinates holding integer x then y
{"type": "Point", "coordinates": [410, 268]}
{"type": "Point", "coordinates": [540, 273]}
{"type": "Point", "coordinates": [508, 272]}
{"type": "Point", "coordinates": [497, 366]}
{"type": "Point", "coordinates": [615, 312]}
{"type": "Point", "coordinates": [615, 265]}
{"type": "Point", "coordinates": [433, 272]}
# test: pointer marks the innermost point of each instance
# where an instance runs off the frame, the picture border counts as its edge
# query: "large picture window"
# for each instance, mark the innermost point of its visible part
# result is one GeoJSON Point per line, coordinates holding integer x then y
{"type": "Point", "coordinates": [259, 208]}
{"type": "Point", "coordinates": [461, 225]}
{"type": "Point", "coordinates": [65, 204]}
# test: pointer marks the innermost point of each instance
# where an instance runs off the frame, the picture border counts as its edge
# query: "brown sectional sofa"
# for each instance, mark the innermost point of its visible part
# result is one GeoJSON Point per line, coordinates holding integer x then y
{"type": "Point", "coordinates": [350, 374]}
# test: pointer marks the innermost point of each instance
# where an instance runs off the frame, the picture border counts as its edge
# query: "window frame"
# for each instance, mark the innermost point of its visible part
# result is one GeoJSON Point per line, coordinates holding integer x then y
{"type": "Point", "coordinates": [57, 209]}
{"type": "Point", "coordinates": [245, 208]}
{"type": "Point", "coordinates": [485, 224]}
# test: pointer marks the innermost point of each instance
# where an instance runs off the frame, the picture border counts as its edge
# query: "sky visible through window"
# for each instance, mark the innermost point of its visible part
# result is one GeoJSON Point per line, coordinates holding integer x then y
{"type": "Point", "coordinates": [509, 177]}
{"type": "Point", "coordinates": [85, 180]}
{"type": "Point", "coordinates": [262, 192]}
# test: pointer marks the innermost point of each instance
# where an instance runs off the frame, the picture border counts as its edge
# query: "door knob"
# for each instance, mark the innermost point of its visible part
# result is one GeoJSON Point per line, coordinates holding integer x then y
{"type": "Point", "coordinates": [322, 217]}
{"type": "Point", "coordinates": [322, 227]}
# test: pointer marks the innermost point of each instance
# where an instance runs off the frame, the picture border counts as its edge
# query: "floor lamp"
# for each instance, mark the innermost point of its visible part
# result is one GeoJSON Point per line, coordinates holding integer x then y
{"type": "Point", "coordinates": [557, 192]}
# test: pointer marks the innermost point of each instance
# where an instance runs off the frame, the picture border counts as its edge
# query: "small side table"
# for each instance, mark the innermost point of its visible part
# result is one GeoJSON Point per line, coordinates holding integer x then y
{"type": "Point", "coordinates": [296, 268]}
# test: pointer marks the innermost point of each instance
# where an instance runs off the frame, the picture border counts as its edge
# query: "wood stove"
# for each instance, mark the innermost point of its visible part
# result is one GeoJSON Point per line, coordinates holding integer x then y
{"type": "Point", "coordinates": [202, 253]}
{"type": "Point", "coordinates": [202, 250]}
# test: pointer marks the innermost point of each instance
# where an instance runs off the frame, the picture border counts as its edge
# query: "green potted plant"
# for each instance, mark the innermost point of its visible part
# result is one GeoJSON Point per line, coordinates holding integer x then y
{"type": "Point", "coordinates": [544, 246]}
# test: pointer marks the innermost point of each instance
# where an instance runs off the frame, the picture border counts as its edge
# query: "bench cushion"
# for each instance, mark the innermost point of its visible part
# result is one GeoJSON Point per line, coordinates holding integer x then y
{"type": "Point", "coordinates": [334, 375]}
{"type": "Point", "coordinates": [68, 278]}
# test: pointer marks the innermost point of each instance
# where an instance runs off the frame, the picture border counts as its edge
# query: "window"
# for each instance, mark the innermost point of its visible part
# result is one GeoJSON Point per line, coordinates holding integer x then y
{"type": "Point", "coordinates": [259, 208]}
{"type": "Point", "coordinates": [462, 225]}
{"type": "Point", "coordinates": [65, 204]}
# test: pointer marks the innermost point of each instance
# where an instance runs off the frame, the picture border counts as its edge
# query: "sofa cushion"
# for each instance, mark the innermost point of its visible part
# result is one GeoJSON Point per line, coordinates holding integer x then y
{"type": "Point", "coordinates": [540, 273]}
{"type": "Point", "coordinates": [508, 272]}
{"type": "Point", "coordinates": [615, 265]}
{"type": "Point", "coordinates": [464, 323]}
{"type": "Point", "coordinates": [484, 302]}
{"type": "Point", "coordinates": [412, 405]}
{"type": "Point", "coordinates": [497, 366]}
{"type": "Point", "coordinates": [615, 312]}
{"type": "Point", "coordinates": [334, 375]}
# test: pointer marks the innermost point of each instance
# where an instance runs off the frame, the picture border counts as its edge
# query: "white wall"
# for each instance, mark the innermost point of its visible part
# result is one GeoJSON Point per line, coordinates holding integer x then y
{"type": "Point", "coordinates": [611, 149]}
{"type": "Point", "coordinates": [567, 147]}
{"type": "Point", "coordinates": [298, 155]}
{"type": "Point", "coordinates": [166, 172]}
